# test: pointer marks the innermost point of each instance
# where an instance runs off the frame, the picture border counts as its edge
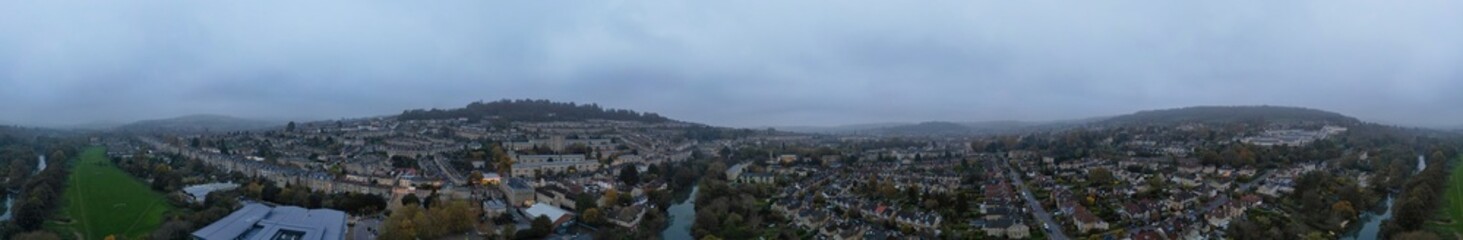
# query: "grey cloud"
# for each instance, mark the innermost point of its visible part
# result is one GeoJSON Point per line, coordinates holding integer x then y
{"type": "Point", "coordinates": [742, 63]}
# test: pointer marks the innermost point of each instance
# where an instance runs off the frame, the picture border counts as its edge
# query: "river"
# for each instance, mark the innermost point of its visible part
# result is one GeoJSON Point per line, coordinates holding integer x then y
{"type": "Point", "coordinates": [1373, 224]}
{"type": "Point", "coordinates": [682, 215]}
{"type": "Point", "coordinates": [1421, 163]}
{"type": "Point", "coordinates": [10, 198]}
{"type": "Point", "coordinates": [40, 164]}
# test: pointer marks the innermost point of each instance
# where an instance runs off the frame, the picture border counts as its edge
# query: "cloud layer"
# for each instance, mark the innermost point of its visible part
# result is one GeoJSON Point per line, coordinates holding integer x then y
{"type": "Point", "coordinates": [738, 63]}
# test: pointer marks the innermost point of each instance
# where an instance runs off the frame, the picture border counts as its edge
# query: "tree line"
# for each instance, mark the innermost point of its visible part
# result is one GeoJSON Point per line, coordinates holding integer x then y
{"type": "Point", "coordinates": [727, 211]}
{"type": "Point", "coordinates": [38, 197]}
{"type": "Point", "coordinates": [1419, 199]}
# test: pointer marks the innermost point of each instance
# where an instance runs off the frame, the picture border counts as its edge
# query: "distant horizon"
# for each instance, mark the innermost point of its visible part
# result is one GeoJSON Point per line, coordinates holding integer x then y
{"type": "Point", "coordinates": [109, 124]}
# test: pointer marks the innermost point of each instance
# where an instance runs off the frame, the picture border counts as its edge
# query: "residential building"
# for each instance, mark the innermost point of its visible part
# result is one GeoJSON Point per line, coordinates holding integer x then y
{"type": "Point", "coordinates": [518, 192]}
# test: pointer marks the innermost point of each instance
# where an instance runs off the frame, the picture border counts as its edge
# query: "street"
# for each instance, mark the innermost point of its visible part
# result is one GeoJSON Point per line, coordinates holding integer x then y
{"type": "Point", "coordinates": [1053, 230]}
{"type": "Point", "coordinates": [366, 229]}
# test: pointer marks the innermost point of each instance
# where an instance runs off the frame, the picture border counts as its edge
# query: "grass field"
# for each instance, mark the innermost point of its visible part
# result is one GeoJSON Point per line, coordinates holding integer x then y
{"type": "Point", "coordinates": [103, 200]}
{"type": "Point", "coordinates": [1452, 213]}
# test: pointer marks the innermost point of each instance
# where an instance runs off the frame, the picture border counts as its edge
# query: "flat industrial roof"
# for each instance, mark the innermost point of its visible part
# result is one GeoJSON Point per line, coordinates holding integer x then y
{"type": "Point", "coordinates": [554, 213]}
{"type": "Point", "coordinates": [258, 222]}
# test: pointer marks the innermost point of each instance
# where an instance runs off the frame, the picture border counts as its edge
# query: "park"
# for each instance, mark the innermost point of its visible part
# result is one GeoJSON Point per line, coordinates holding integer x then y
{"type": "Point", "coordinates": [102, 200]}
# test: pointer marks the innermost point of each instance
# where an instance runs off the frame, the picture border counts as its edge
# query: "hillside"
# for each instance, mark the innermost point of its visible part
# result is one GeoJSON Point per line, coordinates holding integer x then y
{"type": "Point", "coordinates": [1228, 114]}
{"type": "Point", "coordinates": [197, 123]}
{"type": "Point", "coordinates": [1198, 114]}
{"type": "Point", "coordinates": [925, 129]}
{"type": "Point", "coordinates": [532, 111]}
{"type": "Point", "coordinates": [98, 125]}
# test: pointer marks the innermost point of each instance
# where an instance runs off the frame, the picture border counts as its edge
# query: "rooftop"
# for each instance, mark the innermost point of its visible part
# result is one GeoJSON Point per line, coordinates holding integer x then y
{"type": "Point", "coordinates": [554, 214]}
{"type": "Point", "coordinates": [260, 222]}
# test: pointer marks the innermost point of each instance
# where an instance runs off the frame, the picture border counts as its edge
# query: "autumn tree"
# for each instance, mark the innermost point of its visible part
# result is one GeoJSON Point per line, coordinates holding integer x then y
{"type": "Point", "coordinates": [401, 224]}
{"type": "Point", "coordinates": [610, 197]}
{"type": "Point", "coordinates": [476, 177]}
{"type": "Point", "coordinates": [1343, 209]}
{"type": "Point", "coordinates": [501, 159]}
{"type": "Point", "coordinates": [593, 216]}
{"type": "Point", "coordinates": [1100, 176]}
{"type": "Point", "coordinates": [446, 218]}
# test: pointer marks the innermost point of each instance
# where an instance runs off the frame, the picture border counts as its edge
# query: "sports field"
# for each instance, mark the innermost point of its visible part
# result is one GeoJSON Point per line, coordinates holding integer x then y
{"type": "Point", "coordinates": [1452, 215]}
{"type": "Point", "coordinates": [103, 200]}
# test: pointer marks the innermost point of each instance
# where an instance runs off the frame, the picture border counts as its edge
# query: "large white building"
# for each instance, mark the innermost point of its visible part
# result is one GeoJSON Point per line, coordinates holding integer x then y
{"type": "Point", "coordinates": [557, 216]}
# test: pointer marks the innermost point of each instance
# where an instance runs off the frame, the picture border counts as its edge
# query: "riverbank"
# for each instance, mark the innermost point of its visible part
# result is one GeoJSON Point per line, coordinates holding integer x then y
{"type": "Point", "coordinates": [10, 196]}
{"type": "Point", "coordinates": [682, 215]}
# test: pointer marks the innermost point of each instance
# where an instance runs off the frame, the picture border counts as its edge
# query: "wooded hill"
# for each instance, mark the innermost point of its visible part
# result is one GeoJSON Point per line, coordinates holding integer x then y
{"type": "Point", "coordinates": [1229, 114]}
{"type": "Point", "coordinates": [532, 111]}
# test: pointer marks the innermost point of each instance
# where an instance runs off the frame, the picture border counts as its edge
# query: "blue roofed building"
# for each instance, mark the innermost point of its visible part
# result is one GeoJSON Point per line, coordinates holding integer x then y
{"type": "Point", "coordinates": [263, 222]}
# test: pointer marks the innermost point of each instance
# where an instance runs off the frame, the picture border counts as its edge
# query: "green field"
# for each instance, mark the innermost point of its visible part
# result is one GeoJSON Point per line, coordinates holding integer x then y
{"type": "Point", "coordinates": [103, 200]}
{"type": "Point", "coordinates": [1452, 214]}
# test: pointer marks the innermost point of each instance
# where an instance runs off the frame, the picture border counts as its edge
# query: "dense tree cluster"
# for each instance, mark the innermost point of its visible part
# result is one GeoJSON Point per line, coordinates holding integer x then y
{"type": "Point", "coordinates": [165, 173]}
{"type": "Point", "coordinates": [40, 196]}
{"type": "Point", "coordinates": [20, 163]}
{"type": "Point", "coordinates": [1245, 155]}
{"type": "Point", "coordinates": [430, 221]}
{"type": "Point", "coordinates": [181, 223]}
{"type": "Point", "coordinates": [291, 194]}
{"type": "Point", "coordinates": [1324, 200]}
{"type": "Point", "coordinates": [531, 111]}
{"type": "Point", "coordinates": [36, 196]}
{"type": "Point", "coordinates": [731, 211]}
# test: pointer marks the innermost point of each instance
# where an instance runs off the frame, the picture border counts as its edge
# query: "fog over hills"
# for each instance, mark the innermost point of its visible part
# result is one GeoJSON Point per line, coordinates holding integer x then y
{"type": "Point", "coordinates": [547, 110]}
{"type": "Point", "coordinates": [1196, 114]}
{"type": "Point", "coordinates": [198, 123]}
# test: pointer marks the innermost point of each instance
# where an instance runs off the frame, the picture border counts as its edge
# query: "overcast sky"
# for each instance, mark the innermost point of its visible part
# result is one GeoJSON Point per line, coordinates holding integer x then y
{"type": "Point", "coordinates": [731, 63]}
